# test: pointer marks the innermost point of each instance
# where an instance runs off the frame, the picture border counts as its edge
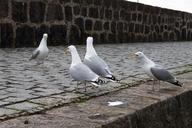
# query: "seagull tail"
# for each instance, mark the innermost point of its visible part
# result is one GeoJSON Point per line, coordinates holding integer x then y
{"type": "Point", "coordinates": [177, 83]}
{"type": "Point", "coordinates": [98, 82]}
{"type": "Point", "coordinates": [113, 79]}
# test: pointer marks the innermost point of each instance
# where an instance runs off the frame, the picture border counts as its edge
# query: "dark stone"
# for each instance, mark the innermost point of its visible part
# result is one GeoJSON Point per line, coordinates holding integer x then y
{"type": "Point", "coordinates": [84, 11]}
{"type": "Point", "coordinates": [96, 38]}
{"type": "Point", "coordinates": [25, 36]}
{"type": "Point", "coordinates": [40, 31]}
{"type": "Point", "coordinates": [157, 29]}
{"type": "Point", "coordinates": [94, 12]}
{"type": "Point", "coordinates": [136, 28]}
{"type": "Point", "coordinates": [97, 2]}
{"type": "Point", "coordinates": [145, 17]}
{"type": "Point", "coordinates": [37, 12]}
{"type": "Point", "coordinates": [76, 10]}
{"type": "Point", "coordinates": [80, 23]}
{"type": "Point", "coordinates": [106, 25]}
{"type": "Point", "coordinates": [102, 12]}
{"type": "Point", "coordinates": [128, 17]}
{"type": "Point", "coordinates": [139, 17]}
{"type": "Point", "coordinates": [98, 26]}
{"type": "Point", "coordinates": [108, 14]}
{"type": "Point", "coordinates": [74, 35]}
{"type": "Point", "coordinates": [113, 27]}
{"type": "Point", "coordinates": [120, 27]}
{"type": "Point", "coordinates": [111, 38]}
{"type": "Point", "coordinates": [184, 34]}
{"type": "Point", "coordinates": [107, 3]}
{"type": "Point", "coordinates": [68, 13]}
{"type": "Point", "coordinates": [6, 35]}
{"type": "Point", "coordinates": [165, 36]}
{"type": "Point", "coordinates": [19, 11]}
{"type": "Point", "coordinates": [116, 15]}
{"type": "Point", "coordinates": [134, 16]}
{"type": "Point", "coordinates": [122, 14]}
{"type": "Point", "coordinates": [77, 1]}
{"type": "Point", "coordinates": [103, 38]}
{"type": "Point", "coordinates": [54, 12]}
{"type": "Point", "coordinates": [4, 8]}
{"type": "Point", "coordinates": [58, 34]}
{"type": "Point", "coordinates": [114, 3]}
{"type": "Point", "coordinates": [147, 29]}
{"type": "Point", "coordinates": [131, 27]}
{"type": "Point", "coordinates": [87, 2]}
{"type": "Point", "coordinates": [88, 25]}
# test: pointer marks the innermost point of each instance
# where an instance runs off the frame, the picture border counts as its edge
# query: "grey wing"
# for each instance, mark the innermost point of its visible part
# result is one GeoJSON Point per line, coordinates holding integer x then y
{"type": "Point", "coordinates": [81, 72]}
{"type": "Point", "coordinates": [35, 54]}
{"type": "Point", "coordinates": [161, 74]}
{"type": "Point", "coordinates": [98, 65]}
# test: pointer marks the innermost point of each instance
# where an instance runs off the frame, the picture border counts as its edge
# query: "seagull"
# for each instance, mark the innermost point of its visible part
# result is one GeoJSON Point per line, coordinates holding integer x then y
{"type": "Point", "coordinates": [81, 72]}
{"type": "Point", "coordinates": [157, 72]}
{"type": "Point", "coordinates": [95, 63]}
{"type": "Point", "coordinates": [41, 53]}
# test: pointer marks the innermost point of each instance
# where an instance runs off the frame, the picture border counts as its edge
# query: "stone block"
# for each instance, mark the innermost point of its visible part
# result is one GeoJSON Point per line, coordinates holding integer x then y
{"type": "Point", "coordinates": [106, 25]}
{"type": "Point", "coordinates": [102, 12]}
{"type": "Point", "coordinates": [98, 26]}
{"type": "Point", "coordinates": [94, 12]}
{"type": "Point", "coordinates": [77, 1]}
{"type": "Point", "coordinates": [74, 35]}
{"type": "Point", "coordinates": [25, 36]}
{"type": "Point", "coordinates": [113, 27]}
{"type": "Point", "coordinates": [4, 8]}
{"type": "Point", "coordinates": [37, 12]}
{"type": "Point", "coordinates": [131, 27]}
{"type": "Point", "coordinates": [116, 15]}
{"type": "Point", "coordinates": [97, 2]}
{"type": "Point", "coordinates": [76, 10]}
{"type": "Point", "coordinates": [58, 34]}
{"type": "Point", "coordinates": [54, 12]}
{"type": "Point", "coordinates": [111, 38]}
{"type": "Point", "coordinates": [88, 25]}
{"type": "Point", "coordinates": [120, 27]}
{"type": "Point", "coordinates": [19, 11]}
{"type": "Point", "coordinates": [107, 3]}
{"type": "Point", "coordinates": [87, 2]}
{"type": "Point", "coordinates": [96, 38]}
{"type": "Point", "coordinates": [68, 13]}
{"type": "Point", "coordinates": [80, 23]}
{"type": "Point", "coordinates": [84, 11]}
{"type": "Point", "coordinates": [6, 35]}
{"type": "Point", "coordinates": [108, 14]}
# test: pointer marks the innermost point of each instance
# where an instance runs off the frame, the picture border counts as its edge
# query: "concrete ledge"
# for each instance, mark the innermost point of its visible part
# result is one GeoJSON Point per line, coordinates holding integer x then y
{"type": "Point", "coordinates": [170, 107]}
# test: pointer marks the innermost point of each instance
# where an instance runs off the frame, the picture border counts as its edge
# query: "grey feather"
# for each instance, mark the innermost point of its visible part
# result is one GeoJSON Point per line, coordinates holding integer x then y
{"type": "Point", "coordinates": [162, 74]}
{"type": "Point", "coordinates": [98, 65]}
{"type": "Point", "coordinates": [35, 54]}
{"type": "Point", "coordinates": [81, 72]}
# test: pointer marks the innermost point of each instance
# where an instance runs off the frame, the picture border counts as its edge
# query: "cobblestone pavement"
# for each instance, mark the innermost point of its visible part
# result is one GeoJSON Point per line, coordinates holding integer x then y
{"type": "Point", "coordinates": [26, 88]}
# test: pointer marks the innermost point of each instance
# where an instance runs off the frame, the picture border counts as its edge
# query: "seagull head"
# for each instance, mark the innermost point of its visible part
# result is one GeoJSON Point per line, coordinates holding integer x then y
{"type": "Point", "coordinates": [90, 40]}
{"type": "Point", "coordinates": [70, 49]}
{"type": "Point", "coordinates": [139, 55]}
{"type": "Point", "coordinates": [45, 35]}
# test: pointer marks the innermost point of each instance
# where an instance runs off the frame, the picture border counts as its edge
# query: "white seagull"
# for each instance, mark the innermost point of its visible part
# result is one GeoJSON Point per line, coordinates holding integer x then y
{"type": "Point", "coordinates": [41, 53]}
{"type": "Point", "coordinates": [95, 63]}
{"type": "Point", "coordinates": [155, 71]}
{"type": "Point", "coordinates": [81, 72]}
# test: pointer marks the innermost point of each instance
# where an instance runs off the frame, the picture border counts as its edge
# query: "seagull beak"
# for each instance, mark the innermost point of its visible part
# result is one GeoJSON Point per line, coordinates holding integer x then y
{"type": "Point", "coordinates": [132, 56]}
{"type": "Point", "coordinates": [66, 50]}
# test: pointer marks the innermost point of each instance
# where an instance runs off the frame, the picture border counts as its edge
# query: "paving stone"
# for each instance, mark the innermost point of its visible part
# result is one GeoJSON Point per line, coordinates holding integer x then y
{"type": "Point", "coordinates": [26, 106]}
{"type": "Point", "coordinates": [7, 111]}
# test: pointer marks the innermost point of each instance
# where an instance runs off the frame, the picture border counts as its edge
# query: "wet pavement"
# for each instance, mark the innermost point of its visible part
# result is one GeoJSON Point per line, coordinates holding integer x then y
{"type": "Point", "coordinates": [27, 88]}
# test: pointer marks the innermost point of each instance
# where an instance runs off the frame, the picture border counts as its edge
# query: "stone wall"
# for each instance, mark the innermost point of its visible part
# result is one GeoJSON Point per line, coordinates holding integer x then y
{"type": "Point", "coordinates": [22, 22]}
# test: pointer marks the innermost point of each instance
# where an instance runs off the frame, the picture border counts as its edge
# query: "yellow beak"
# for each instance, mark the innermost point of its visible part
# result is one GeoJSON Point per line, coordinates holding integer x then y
{"type": "Point", "coordinates": [132, 56]}
{"type": "Point", "coordinates": [66, 50]}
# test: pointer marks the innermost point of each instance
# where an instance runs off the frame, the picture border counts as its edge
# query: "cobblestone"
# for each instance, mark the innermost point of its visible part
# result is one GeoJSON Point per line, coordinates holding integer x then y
{"type": "Point", "coordinates": [22, 81]}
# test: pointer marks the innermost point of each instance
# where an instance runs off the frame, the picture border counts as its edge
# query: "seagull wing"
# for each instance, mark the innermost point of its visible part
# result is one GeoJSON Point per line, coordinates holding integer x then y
{"type": "Point", "coordinates": [35, 54]}
{"type": "Point", "coordinates": [81, 72]}
{"type": "Point", "coordinates": [98, 65]}
{"type": "Point", "coordinates": [162, 74]}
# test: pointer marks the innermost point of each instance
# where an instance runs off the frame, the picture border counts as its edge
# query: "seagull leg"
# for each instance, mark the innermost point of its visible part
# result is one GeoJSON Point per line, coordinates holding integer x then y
{"type": "Point", "coordinates": [153, 88]}
{"type": "Point", "coordinates": [85, 86]}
